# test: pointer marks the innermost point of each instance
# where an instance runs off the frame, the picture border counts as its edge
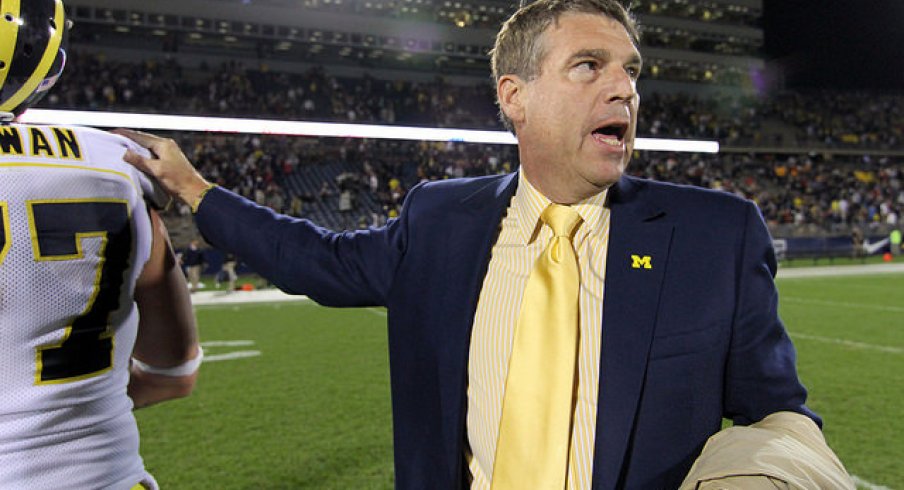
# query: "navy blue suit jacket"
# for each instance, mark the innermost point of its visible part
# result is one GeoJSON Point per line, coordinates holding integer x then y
{"type": "Point", "coordinates": [692, 339]}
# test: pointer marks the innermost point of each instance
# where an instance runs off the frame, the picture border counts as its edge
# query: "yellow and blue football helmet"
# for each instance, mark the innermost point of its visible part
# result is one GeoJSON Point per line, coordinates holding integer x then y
{"type": "Point", "coordinates": [33, 39]}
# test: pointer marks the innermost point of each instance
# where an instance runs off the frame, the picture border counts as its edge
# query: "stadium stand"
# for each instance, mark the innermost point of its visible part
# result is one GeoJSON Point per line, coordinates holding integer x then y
{"type": "Point", "coordinates": [819, 164]}
{"type": "Point", "coordinates": [789, 119]}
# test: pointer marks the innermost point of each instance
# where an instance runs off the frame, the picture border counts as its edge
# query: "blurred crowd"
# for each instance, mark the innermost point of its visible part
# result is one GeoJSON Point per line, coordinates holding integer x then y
{"type": "Point", "coordinates": [259, 167]}
{"type": "Point", "coordinates": [809, 194]}
{"type": "Point", "coordinates": [232, 89]}
{"type": "Point", "coordinates": [799, 194]}
{"type": "Point", "coordinates": [366, 180]}
{"type": "Point", "coordinates": [824, 119]}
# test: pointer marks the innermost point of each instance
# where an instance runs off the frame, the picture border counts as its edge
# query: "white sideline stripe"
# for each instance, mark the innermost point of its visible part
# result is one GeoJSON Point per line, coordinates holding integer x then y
{"type": "Point", "coordinates": [232, 355]}
{"type": "Point", "coordinates": [304, 128]}
{"type": "Point", "coordinates": [841, 304]}
{"type": "Point", "coordinates": [861, 483]}
{"type": "Point", "coordinates": [227, 343]}
{"type": "Point", "coordinates": [850, 343]}
{"type": "Point", "coordinates": [839, 270]}
{"type": "Point", "coordinates": [221, 298]}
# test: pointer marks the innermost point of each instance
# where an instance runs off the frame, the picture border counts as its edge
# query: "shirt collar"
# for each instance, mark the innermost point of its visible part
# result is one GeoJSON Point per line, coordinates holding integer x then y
{"type": "Point", "coordinates": [529, 203]}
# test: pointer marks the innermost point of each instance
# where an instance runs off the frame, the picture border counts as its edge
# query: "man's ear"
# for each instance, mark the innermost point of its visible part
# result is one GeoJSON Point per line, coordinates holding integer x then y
{"type": "Point", "coordinates": [510, 92]}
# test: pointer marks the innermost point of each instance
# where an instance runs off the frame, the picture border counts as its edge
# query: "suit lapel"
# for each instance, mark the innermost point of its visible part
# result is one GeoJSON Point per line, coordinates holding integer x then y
{"type": "Point", "coordinates": [639, 244]}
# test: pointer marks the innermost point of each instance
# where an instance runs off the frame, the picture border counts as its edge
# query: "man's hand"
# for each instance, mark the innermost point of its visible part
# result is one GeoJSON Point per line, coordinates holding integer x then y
{"type": "Point", "coordinates": [170, 167]}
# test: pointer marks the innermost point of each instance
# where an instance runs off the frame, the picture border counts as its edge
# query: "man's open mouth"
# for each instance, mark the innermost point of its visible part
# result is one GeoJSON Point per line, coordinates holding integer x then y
{"type": "Point", "coordinates": [612, 134]}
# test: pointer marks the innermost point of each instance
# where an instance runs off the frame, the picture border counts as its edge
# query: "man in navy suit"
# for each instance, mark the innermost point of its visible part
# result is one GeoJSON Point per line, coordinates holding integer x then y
{"type": "Point", "coordinates": [688, 327]}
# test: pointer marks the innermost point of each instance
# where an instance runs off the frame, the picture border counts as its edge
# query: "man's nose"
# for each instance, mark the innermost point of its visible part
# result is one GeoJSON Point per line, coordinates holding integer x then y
{"type": "Point", "coordinates": [620, 85]}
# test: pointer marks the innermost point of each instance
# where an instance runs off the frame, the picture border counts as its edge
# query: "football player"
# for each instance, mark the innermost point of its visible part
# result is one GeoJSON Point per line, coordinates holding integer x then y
{"type": "Point", "coordinates": [95, 315]}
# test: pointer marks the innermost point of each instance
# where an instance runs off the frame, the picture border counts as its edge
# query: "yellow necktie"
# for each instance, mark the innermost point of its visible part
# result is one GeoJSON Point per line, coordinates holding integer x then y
{"type": "Point", "coordinates": [537, 408]}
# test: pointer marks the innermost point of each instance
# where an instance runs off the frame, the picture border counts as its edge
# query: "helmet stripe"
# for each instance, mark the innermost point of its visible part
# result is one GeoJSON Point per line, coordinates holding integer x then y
{"type": "Point", "coordinates": [9, 31]}
{"type": "Point", "coordinates": [50, 54]}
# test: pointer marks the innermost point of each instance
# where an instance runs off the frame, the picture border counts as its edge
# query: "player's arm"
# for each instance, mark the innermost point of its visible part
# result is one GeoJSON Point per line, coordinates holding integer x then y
{"type": "Point", "coordinates": [166, 354]}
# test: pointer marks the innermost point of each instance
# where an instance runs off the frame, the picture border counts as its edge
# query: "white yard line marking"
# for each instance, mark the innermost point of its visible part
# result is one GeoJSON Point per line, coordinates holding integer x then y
{"type": "Point", "coordinates": [843, 304]}
{"type": "Point", "coordinates": [227, 343]}
{"type": "Point", "coordinates": [861, 483]}
{"type": "Point", "coordinates": [848, 343]}
{"type": "Point", "coordinates": [232, 355]}
{"type": "Point", "coordinates": [377, 311]}
{"type": "Point", "coordinates": [240, 354]}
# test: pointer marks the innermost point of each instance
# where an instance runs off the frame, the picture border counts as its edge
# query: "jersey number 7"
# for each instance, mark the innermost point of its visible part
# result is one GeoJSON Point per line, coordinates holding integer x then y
{"type": "Point", "coordinates": [57, 230]}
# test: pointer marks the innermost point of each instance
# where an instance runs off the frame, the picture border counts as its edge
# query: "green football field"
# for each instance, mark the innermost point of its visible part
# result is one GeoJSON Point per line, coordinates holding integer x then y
{"type": "Point", "coordinates": [294, 395]}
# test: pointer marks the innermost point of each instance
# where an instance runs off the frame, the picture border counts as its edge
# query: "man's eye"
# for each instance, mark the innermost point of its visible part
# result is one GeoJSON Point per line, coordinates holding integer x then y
{"type": "Point", "coordinates": [633, 71]}
{"type": "Point", "coordinates": [588, 65]}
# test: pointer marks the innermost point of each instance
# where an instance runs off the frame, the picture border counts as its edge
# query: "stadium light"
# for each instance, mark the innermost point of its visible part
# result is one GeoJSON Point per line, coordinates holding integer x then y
{"type": "Point", "coordinates": [163, 122]}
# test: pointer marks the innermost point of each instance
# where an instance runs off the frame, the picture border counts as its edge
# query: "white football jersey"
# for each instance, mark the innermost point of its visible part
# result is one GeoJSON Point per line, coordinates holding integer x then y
{"type": "Point", "coordinates": [74, 237]}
